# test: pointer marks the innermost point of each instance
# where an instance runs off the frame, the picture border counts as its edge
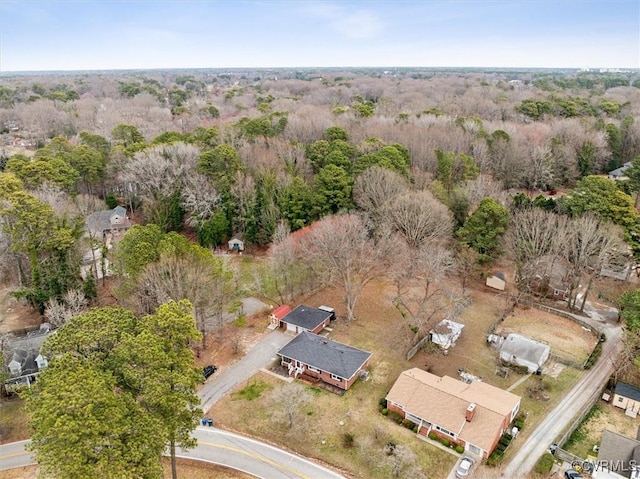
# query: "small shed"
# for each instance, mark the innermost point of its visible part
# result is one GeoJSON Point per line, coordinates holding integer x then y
{"type": "Point", "coordinates": [307, 318]}
{"type": "Point", "coordinates": [446, 333]}
{"type": "Point", "coordinates": [627, 397]}
{"type": "Point", "coordinates": [277, 315]}
{"type": "Point", "coordinates": [524, 351]}
{"type": "Point", "coordinates": [236, 244]}
{"type": "Point", "coordinates": [497, 281]}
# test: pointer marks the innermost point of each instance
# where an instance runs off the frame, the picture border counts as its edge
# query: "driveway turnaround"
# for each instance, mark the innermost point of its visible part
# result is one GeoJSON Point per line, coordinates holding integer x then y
{"type": "Point", "coordinates": [258, 357]}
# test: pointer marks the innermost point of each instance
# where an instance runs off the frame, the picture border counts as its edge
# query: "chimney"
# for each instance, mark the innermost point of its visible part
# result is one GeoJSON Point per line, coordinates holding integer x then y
{"type": "Point", "coordinates": [471, 410]}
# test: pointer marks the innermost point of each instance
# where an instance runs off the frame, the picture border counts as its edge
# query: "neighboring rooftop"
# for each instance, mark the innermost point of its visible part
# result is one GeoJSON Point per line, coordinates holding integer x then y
{"type": "Point", "coordinates": [444, 401]}
{"type": "Point", "coordinates": [327, 355]}
{"type": "Point", "coordinates": [628, 390]}
{"type": "Point", "coordinates": [619, 451]}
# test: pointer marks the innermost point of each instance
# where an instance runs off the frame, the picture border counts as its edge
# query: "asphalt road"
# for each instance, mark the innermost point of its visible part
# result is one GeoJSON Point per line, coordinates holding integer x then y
{"type": "Point", "coordinates": [570, 406]}
{"type": "Point", "coordinates": [253, 457]}
{"type": "Point", "coordinates": [218, 447]}
{"type": "Point", "coordinates": [258, 357]}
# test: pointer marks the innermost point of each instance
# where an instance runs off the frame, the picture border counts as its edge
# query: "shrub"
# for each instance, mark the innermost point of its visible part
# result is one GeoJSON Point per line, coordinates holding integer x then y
{"type": "Point", "coordinates": [545, 463]}
{"type": "Point", "coordinates": [432, 436]}
{"type": "Point", "coordinates": [445, 442]}
{"type": "Point", "coordinates": [348, 440]}
{"type": "Point", "coordinates": [494, 459]}
{"type": "Point", "coordinates": [595, 354]}
{"type": "Point", "coordinates": [408, 424]}
{"type": "Point", "coordinates": [415, 429]}
{"type": "Point", "coordinates": [459, 449]}
{"type": "Point", "coordinates": [382, 402]}
{"type": "Point", "coordinates": [395, 417]}
{"type": "Point", "coordinates": [385, 412]}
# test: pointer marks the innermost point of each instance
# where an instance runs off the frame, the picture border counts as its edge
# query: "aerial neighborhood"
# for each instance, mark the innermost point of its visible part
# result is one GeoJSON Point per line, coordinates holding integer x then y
{"type": "Point", "coordinates": [358, 273]}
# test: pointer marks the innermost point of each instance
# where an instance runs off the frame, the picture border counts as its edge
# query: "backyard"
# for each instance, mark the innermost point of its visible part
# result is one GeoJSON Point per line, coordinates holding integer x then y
{"type": "Point", "coordinates": [379, 328]}
{"type": "Point", "coordinates": [603, 415]}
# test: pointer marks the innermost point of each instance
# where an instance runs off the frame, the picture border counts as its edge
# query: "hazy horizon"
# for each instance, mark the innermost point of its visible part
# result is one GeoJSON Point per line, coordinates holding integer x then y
{"type": "Point", "coordinates": [66, 36]}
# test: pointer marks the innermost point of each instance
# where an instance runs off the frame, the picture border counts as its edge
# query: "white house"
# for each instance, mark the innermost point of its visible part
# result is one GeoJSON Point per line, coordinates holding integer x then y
{"type": "Point", "coordinates": [446, 333]}
{"type": "Point", "coordinates": [524, 351]}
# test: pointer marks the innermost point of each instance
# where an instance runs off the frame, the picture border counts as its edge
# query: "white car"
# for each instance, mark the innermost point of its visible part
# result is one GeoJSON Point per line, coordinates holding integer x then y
{"type": "Point", "coordinates": [464, 468]}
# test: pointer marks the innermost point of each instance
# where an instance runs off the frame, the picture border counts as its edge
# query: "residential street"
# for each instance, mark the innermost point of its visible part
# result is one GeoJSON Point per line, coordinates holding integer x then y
{"type": "Point", "coordinates": [575, 402]}
{"type": "Point", "coordinates": [253, 457]}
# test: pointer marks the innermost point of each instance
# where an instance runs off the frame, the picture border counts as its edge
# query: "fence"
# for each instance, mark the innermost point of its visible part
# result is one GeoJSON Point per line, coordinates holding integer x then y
{"type": "Point", "coordinates": [452, 315]}
{"type": "Point", "coordinates": [576, 423]}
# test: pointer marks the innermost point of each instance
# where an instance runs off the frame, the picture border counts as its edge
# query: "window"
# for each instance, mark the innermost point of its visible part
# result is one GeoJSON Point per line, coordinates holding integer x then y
{"type": "Point", "coordinates": [286, 360]}
{"type": "Point", "coordinates": [448, 433]}
{"type": "Point", "coordinates": [620, 399]}
{"type": "Point", "coordinates": [315, 370]}
{"type": "Point", "coordinates": [335, 378]}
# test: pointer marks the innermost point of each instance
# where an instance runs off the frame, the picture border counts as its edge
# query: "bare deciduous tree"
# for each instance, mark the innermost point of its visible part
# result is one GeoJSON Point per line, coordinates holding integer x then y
{"type": "Point", "coordinates": [339, 249]}
{"type": "Point", "coordinates": [288, 401]}
{"type": "Point", "coordinates": [417, 274]}
{"type": "Point", "coordinates": [420, 218]}
{"type": "Point", "coordinates": [199, 198]}
{"type": "Point", "coordinates": [59, 312]}
{"type": "Point", "coordinates": [375, 189]}
{"type": "Point", "coordinates": [533, 234]}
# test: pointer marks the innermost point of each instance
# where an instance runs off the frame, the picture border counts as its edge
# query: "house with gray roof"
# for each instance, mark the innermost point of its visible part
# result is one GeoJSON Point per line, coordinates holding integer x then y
{"type": "Point", "coordinates": [23, 359]}
{"type": "Point", "coordinates": [627, 396]}
{"type": "Point", "coordinates": [523, 351]}
{"type": "Point", "coordinates": [307, 318]}
{"type": "Point", "coordinates": [108, 225]}
{"type": "Point", "coordinates": [323, 362]}
{"type": "Point", "coordinates": [618, 457]}
{"type": "Point", "coordinates": [619, 173]}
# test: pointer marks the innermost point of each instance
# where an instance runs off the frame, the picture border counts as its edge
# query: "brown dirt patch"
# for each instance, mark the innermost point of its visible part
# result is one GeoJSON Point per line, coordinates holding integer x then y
{"type": "Point", "coordinates": [15, 315]}
{"type": "Point", "coordinates": [567, 339]}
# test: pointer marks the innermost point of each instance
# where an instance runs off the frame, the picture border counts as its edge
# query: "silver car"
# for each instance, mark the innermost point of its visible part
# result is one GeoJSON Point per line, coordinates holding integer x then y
{"type": "Point", "coordinates": [464, 468]}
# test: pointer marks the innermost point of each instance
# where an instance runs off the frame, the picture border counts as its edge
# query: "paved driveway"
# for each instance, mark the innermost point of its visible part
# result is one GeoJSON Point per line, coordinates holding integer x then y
{"type": "Point", "coordinates": [263, 353]}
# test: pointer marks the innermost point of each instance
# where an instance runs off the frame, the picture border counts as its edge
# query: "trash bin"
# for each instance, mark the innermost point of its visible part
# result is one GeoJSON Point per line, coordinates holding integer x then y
{"type": "Point", "coordinates": [204, 421]}
{"type": "Point", "coordinates": [210, 422]}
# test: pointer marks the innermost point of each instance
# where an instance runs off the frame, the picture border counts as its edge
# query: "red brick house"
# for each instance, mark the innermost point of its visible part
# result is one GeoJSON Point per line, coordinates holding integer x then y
{"type": "Point", "coordinates": [472, 415]}
{"type": "Point", "coordinates": [321, 360]}
{"type": "Point", "coordinates": [307, 318]}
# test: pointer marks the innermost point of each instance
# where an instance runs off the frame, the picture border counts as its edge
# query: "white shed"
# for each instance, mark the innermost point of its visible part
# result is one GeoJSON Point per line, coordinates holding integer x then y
{"type": "Point", "coordinates": [446, 333]}
{"type": "Point", "coordinates": [236, 244]}
{"type": "Point", "coordinates": [497, 281]}
{"type": "Point", "coordinates": [524, 351]}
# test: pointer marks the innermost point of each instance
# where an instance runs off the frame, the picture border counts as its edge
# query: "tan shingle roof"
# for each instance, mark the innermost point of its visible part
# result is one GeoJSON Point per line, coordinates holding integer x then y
{"type": "Point", "coordinates": [444, 401]}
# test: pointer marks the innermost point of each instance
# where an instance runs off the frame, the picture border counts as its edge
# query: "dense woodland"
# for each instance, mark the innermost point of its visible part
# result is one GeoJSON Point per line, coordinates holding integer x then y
{"type": "Point", "coordinates": [421, 157]}
{"type": "Point", "coordinates": [330, 177]}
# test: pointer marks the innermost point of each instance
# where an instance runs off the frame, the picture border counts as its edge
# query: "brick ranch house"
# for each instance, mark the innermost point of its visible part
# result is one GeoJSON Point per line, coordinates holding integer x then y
{"type": "Point", "coordinates": [472, 415]}
{"type": "Point", "coordinates": [323, 362]}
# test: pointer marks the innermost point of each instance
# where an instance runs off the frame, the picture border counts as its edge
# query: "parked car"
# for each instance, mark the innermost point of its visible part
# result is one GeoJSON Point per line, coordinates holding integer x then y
{"type": "Point", "coordinates": [464, 468]}
{"type": "Point", "coordinates": [209, 370]}
{"type": "Point", "coordinates": [572, 474]}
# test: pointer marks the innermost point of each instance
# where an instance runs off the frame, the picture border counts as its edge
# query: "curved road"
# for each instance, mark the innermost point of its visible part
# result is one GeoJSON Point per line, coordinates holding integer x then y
{"type": "Point", "coordinates": [570, 406]}
{"type": "Point", "coordinates": [218, 447]}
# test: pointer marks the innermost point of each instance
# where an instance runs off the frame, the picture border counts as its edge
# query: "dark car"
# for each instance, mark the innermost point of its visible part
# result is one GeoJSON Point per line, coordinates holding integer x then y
{"type": "Point", "coordinates": [572, 474]}
{"type": "Point", "coordinates": [209, 370]}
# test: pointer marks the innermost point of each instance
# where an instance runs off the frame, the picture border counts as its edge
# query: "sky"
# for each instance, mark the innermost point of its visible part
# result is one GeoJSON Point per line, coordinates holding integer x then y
{"type": "Point", "coordinates": [39, 35]}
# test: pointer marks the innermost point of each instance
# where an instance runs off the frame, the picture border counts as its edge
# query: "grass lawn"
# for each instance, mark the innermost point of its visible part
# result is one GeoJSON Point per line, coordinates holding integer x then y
{"type": "Point", "coordinates": [346, 431]}
{"type": "Point", "coordinates": [602, 416]}
{"type": "Point", "coordinates": [13, 421]}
